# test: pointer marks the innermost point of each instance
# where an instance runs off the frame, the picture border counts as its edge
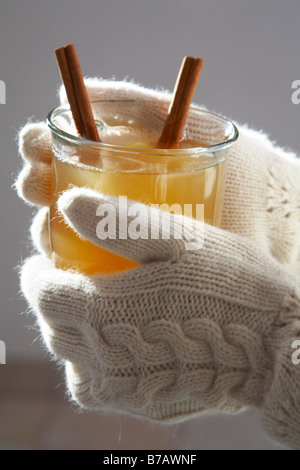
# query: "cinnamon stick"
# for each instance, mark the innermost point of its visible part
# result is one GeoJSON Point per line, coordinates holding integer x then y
{"type": "Point", "coordinates": [72, 78]}
{"type": "Point", "coordinates": [184, 89]}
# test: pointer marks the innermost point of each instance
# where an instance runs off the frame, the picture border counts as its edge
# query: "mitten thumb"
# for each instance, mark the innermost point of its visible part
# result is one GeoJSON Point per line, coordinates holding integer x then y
{"type": "Point", "coordinates": [130, 229]}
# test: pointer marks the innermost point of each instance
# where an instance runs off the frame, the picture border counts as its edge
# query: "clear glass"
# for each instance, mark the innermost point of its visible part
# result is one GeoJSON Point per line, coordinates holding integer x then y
{"type": "Point", "coordinates": [126, 163]}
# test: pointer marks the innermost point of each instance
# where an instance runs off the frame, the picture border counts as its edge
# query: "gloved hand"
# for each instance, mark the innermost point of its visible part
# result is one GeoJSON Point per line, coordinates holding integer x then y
{"type": "Point", "coordinates": [185, 331]}
{"type": "Point", "coordinates": [262, 195]}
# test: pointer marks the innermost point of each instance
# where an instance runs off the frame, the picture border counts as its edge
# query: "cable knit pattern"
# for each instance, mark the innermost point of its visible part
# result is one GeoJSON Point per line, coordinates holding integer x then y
{"type": "Point", "coordinates": [186, 331]}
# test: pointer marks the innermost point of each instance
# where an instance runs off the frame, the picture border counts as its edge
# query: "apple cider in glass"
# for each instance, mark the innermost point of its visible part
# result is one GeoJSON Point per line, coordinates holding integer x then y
{"type": "Point", "coordinates": [126, 163]}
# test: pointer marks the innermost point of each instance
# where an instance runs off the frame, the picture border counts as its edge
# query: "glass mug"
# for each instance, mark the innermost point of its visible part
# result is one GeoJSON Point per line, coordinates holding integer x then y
{"type": "Point", "coordinates": [126, 163]}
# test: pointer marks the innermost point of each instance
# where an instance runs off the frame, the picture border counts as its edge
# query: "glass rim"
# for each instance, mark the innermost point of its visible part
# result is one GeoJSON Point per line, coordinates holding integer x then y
{"type": "Point", "coordinates": [221, 146]}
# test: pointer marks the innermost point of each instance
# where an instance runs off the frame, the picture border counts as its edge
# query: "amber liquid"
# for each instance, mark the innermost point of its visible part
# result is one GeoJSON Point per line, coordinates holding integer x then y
{"type": "Point", "coordinates": [180, 183]}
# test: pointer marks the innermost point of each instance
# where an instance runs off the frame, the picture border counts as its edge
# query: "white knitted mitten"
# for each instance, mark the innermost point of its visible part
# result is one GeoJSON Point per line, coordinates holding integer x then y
{"type": "Point", "coordinates": [183, 332]}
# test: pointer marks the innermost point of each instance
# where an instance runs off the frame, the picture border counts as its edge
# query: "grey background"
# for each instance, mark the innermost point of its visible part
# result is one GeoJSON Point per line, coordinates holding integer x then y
{"type": "Point", "coordinates": [252, 57]}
